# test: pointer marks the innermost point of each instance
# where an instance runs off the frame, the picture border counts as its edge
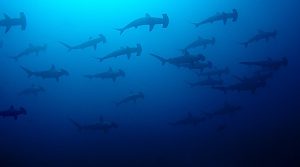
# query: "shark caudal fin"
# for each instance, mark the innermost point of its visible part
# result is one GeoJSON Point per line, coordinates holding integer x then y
{"type": "Point", "coordinates": [67, 46]}
{"type": "Point", "coordinates": [162, 60]}
{"type": "Point", "coordinates": [29, 73]}
{"type": "Point", "coordinates": [79, 127]}
{"type": "Point", "coordinates": [165, 20]}
{"type": "Point", "coordinates": [23, 21]}
{"type": "Point", "coordinates": [121, 30]}
{"type": "Point", "coordinates": [235, 15]}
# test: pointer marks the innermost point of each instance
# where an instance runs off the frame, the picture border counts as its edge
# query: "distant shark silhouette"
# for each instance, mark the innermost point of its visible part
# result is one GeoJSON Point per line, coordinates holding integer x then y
{"type": "Point", "coordinates": [179, 61]}
{"type": "Point", "coordinates": [220, 17]}
{"type": "Point", "coordinates": [12, 112]}
{"type": "Point", "coordinates": [268, 64]}
{"type": "Point", "coordinates": [110, 74]}
{"type": "Point", "coordinates": [189, 120]}
{"type": "Point", "coordinates": [127, 51]}
{"type": "Point", "coordinates": [30, 50]}
{"type": "Point", "coordinates": [243, 85]}
{"type": "Point", "coordinates": [198, 65]}
{"type": "Point", "coordinates": [131, 98]}
{"type": "Point", "coordinates": [261, 35]}
{"type": "Point", "coordinates": [33, 90]}
{"type": "Point", "coordinates": [147, 20]}
{"type": "Point", "coordinates": [51, 73]}
{"type": "Point", "coordinates": [102, 125]}
{"type": "Point", "coordinates": [214, 72]}
{"type": "Point", "coordinates": [200, 42]}
{"type": "Point", "coordinates": [90, 43]}
{"type": "Point", "coordinates": [8, 22]}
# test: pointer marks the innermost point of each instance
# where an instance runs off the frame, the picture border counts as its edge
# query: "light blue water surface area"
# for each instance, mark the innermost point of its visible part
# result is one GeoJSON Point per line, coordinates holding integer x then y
{"type": "Point", "coordinates": [182, 83]}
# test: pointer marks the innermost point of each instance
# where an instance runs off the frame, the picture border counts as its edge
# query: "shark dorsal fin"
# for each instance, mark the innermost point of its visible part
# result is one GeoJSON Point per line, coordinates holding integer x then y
{"type": "Point", "coordinates": [147, 15]}
{"type": "Point", "coordinates": [109, 69]}
{"type": "Point", "coordinates": [6, 16]}
{"type": "Point", "coordinates": [101, 119]}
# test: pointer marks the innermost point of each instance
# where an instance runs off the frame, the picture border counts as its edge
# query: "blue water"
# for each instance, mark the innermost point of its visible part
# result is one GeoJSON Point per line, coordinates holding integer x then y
{"type": "Point", "coordinates": [264, 133]}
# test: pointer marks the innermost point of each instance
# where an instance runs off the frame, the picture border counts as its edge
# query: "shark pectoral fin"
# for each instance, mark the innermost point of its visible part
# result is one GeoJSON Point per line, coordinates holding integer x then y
{"type": "Point", "coordinates": [151, 26]}
{"type": "Point", "coordinates": [7, 28]}
{"type": "Point", "coordinates": [128, 55]}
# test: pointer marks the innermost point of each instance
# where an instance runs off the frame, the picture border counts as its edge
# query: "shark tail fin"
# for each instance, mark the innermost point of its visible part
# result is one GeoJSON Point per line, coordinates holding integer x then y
{"type": "Point", "coordinates": [76, 124]}
{"type": "Point", "coordinates": [67, 46]}
{"type": "Point", "coordinates": [165, 20]}
{"type": "Point", "coordinates": [121, 30]}
{"type": "Point", "coordinates": [162, 60]}
{"type": "Point", "coordinates": [29, 73]}
{"type": "Point", "coordinates": [23, 21]}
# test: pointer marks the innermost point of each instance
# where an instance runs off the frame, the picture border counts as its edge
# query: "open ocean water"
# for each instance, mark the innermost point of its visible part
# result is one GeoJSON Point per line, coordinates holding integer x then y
{"type": "Point", "coordinates": [184, 83]}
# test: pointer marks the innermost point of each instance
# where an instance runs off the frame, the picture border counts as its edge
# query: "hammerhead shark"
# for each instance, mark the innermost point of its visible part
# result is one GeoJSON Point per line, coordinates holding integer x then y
{"type": "Point", "coordinates": [33, 90]}
{"type": "Point", "coordinates": [198, 65]}
{"type": "Point", "coordinates": [92, 42]}
{"type": "Point", "coordinates": [12, 112]}
{"type": "Point", "coordinates": [31, 49]}
{"type": "Point", "coordinates": [109, 74]}
{"type": "Point", "coordinates": [261, 35]}
{"type": "Point", "coordinates": [102, 125]}
{"type": "Point", "coordinates": [214, 72]}
{"type": "Point", "coordinates": [179, 61]}
{"type": "Point", "coordinates": [147, 20]}
{"type": "Point", "coordinates": [127, 51]}
{"type": "Point", "coordinates": [200, 42]}
{"type": "Point", "coordinates": [220, 17]}
{"type": "Point", "coordinates": [189, 120]}
{"type": "Point", "coordinates": [8, 22]}
{"type": "Point", "coordinates": [130, 98]}
{"type": "Point", "coordinates": [51, 73]}
{"type": "Point", "coordinates": [243, 85]}
{"type": "Point", "coordinates": [268, 64]}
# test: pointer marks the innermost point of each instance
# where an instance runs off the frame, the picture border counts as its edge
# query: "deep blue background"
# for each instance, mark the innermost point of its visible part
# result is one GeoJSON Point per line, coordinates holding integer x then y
{"type": "Point", "coordinates": [265, 133]}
